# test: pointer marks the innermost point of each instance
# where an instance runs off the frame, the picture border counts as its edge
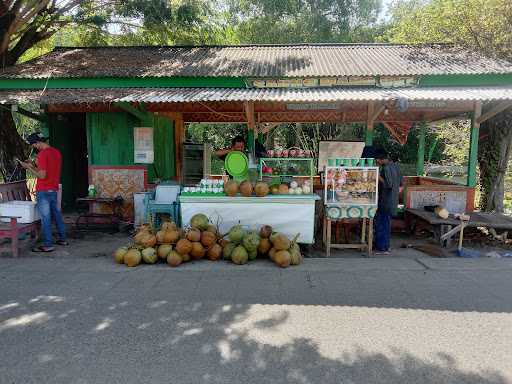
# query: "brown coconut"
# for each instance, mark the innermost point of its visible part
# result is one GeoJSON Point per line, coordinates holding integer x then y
{"type": "Point", "coordinates": [246, 188]}
{"type": "Point", "coordinates": [183, 246]}
{"type": "Point", "coordinates": [208, 239]}
{"type": "Point", "coordinates": [194, 235]}
{"type": "Point", "coordinates": [174, 259]}
{"type": "Point", "coordinates": [261, 189]}
{"type": "Point", "coordinates": [265, 231]}
{"type": "Point", "coordinates": [168, 226]}
{"type": "Point", "coordinates": [171, 236]}
{"type": "Point", "coordinates": [280, 242]}
{"type": "Point", "coordinates": [197, 251]}
{"type": "Point", "coordinates": [272, 253]}
{"type": "Point", "coordinates": [282, 258]}
{"type": "Point", "coordinates": [231, 188]}
{"type": "Point", "coordinates": [214, 253]}
{"type": "Point", "coordinates": [264, 246]}
{"type": "Point", "coordinates": [283, 189]}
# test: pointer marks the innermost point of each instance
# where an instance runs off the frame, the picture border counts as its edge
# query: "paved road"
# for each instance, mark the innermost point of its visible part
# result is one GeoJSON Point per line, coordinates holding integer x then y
{"type": "Point", "coordinates": [353, 321]}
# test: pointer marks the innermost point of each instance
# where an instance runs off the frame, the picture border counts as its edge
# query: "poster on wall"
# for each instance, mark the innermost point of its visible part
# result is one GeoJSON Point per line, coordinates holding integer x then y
{"type": "Point", "coordinates": [143, 145]}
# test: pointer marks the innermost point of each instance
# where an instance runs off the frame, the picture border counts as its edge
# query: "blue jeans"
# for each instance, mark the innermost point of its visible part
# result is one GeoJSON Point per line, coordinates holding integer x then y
{"type": "Point", "coordinates": [47, 208]}
{"type": "Point", "coordinates": [382, 231]}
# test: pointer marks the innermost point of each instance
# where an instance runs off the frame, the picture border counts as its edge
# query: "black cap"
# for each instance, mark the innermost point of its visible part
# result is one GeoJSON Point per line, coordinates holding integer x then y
{"type": "Point", "coordinates": [36, 137]}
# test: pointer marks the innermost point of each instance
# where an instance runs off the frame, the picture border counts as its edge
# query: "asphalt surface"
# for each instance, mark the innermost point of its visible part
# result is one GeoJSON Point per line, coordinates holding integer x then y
{"type": "Point", "coordinates": [87, 320]}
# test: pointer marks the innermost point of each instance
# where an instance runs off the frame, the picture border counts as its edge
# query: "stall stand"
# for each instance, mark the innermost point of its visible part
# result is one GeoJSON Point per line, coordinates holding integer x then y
{"type": "Point", "coordinates": [290, 210]}
{"type": "Point", "coordinates": [351, 192]}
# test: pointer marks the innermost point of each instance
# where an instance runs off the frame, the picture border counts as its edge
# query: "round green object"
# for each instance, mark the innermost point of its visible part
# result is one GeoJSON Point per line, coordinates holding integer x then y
{"type": "Point", "coordinates": [236, 163]}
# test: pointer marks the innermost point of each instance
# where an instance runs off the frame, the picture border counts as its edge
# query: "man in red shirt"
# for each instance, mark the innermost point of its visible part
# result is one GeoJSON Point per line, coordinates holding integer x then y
{"type": "Point", "coordinates": [47, 171]}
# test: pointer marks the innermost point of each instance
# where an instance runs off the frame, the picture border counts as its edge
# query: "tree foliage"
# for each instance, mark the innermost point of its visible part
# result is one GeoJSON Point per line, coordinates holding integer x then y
{"type": "Point", "coordinates": [304, 21]}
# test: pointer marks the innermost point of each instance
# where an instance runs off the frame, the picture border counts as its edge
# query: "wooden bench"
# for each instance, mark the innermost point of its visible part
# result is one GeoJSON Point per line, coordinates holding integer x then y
{"type": "Point", "coordinates": [16, 191]}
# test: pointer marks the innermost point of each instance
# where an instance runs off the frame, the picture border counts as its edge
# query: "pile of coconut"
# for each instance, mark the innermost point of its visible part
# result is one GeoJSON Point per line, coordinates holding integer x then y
{"type": "Point", "coordinates": [202, 240]}
{"type": "Point", "coordinates": [242, 246]}
{"type": "Point", "coordinates": [172, 245]}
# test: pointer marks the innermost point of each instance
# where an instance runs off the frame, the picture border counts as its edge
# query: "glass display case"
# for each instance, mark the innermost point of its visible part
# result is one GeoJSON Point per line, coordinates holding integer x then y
{"type": "Point", "coordinates": [292, 170]}
{"type": "Point", "coordinates": [351, 186]}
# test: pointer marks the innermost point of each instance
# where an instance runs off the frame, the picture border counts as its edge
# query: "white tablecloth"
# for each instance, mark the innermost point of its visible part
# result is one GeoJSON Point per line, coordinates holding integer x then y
{"type": "Point", "coordinates": [289, 215]}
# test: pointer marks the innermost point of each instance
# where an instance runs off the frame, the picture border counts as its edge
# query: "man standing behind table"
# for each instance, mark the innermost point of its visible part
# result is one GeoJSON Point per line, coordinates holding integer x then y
{"type": "Point", "coordinates": [47, 172]}
{"type": "Point", "coordinates": [389, 188]}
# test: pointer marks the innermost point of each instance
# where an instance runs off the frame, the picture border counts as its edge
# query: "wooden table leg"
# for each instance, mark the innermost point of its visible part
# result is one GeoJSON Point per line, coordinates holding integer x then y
{"type": "Point", "coordinates": [328, 244]}
{"type": "Point", "coordinates": [370, 237]}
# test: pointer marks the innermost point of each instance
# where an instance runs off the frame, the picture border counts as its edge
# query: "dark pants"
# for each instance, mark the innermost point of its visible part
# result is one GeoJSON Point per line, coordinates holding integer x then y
{"type": "Point", "coordinates": [47, 208]}
{"type": "Point", "coordinates": [382, 231]}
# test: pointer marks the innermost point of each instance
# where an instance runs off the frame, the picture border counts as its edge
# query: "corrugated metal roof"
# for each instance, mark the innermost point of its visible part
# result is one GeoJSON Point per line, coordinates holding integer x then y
{"type": "Point", "coordinates": [306, 60]}
{"type": "Point", "coordinates": [181, 95]}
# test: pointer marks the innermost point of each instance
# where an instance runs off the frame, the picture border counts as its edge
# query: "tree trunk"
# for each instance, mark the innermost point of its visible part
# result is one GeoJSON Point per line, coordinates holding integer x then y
{"type": "Point", "coordinates": [11, 146]}
{"type": "Point", "coordinates": [494, 149]}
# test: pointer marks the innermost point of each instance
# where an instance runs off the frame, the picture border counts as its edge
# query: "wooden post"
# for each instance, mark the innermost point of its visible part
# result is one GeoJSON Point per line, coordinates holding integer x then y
{"type": "Point", "coordinates": [473, 144]}
{"type": "Point", "coordinates": [420, 163]}
{"type": "Point", "coordinates": [369, 123]}
{"type": "Point", "coordinates": [251, 125]}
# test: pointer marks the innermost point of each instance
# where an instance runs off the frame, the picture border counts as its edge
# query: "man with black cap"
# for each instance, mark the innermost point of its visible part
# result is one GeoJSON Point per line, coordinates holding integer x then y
{"type": "Point", "coordinates": [47, 172]}
{"type": "Point", "coordinates": [390, 181]}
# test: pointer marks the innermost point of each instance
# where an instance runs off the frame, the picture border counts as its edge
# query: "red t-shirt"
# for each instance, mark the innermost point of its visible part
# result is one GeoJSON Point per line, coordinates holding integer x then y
{"type": "Point", "coordinates": [50, 160]}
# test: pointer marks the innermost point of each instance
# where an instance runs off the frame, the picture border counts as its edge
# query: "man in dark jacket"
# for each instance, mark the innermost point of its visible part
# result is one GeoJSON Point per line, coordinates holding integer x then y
{"type": "Point", "coordinates": [389, 188]}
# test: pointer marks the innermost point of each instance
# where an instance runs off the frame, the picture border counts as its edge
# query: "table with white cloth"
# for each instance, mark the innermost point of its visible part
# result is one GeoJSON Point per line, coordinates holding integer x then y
{"type": "Point", "coordinates": [289, 214]}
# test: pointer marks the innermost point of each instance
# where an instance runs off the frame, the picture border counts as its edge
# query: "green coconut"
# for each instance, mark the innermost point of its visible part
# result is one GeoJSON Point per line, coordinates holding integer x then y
{"type": "Point", "coordinates": [236, 234]}
{"type": "Point", "coordinates": [295, 255]}
{"type": "Point", "coordinates": [251, 241]}
{"type": "Point", "coordinates": [227, 250]}
{"type": "Point", "coordinates": [149, 255]}
{"type": "Point", "coordinates": [119, 255]}
{"type": "Point", "coordinates": [199, 221]}
{"type": "Point", "coordinates": [252, 254]}
{"type": "Point", "coordinates": [239, 255]}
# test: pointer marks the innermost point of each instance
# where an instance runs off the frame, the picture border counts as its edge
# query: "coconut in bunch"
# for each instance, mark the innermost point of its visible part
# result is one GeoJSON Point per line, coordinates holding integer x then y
{"type": "Point", "coordinates": [285, 252]}
{"type": "Point", "coordinates": [166, 238]}
{"type": "Point", "coordinates": [265, 245]}
{"type": "Point", "coordinates": [144, 248]}
{"type": "Point", "coordinates": [198, 239]}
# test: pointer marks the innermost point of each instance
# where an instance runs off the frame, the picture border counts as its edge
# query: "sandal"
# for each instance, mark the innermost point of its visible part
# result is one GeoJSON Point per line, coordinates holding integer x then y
{"type": "Point", "coordinates": [61, 242]}
{"type": "Point", "coordinates": [42, 248]}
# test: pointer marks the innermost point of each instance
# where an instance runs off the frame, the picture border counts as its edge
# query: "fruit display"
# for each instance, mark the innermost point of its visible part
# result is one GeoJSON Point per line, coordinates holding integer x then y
{"type": "Point", "coordinates": [351, 185]}
{"type": "Point", "coordinates": [202, 240]}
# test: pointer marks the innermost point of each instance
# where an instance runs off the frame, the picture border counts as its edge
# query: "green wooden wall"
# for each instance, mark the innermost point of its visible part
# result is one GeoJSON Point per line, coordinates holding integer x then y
{"type": "Point", "coordinates": [110, 142]}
